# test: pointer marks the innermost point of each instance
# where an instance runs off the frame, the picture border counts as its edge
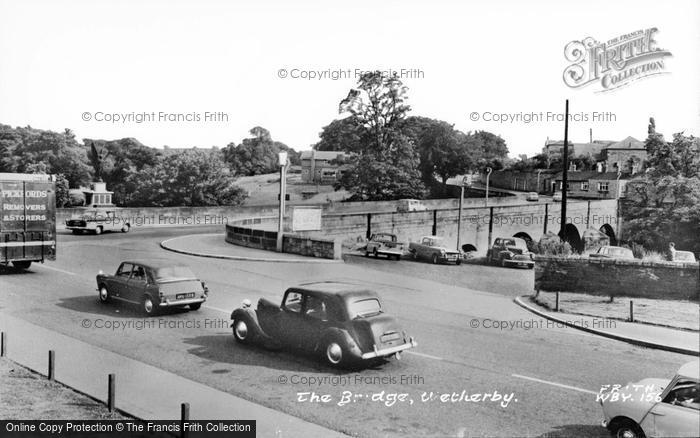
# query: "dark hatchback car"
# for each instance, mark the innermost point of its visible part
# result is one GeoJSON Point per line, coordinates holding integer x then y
{"type": "Point", "coordinates": [153, 285]}
{"type": "Point", "coordinates": [343, 323]}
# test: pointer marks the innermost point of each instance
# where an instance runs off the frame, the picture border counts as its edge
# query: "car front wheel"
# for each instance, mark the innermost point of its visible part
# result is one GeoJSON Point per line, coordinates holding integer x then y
{"type": "Point", "coordinates": [98, 231]}
{"type": "Point", "coordinates": [104, 294]}
{"type": "Point", "coordinates": [149, 307]}
{"type": "Point", "coordinates": [240, 331]}
{"type": "Point", "coordinates": [195, 306]}
{"type": "Point", "coordinates": [125, 228]}
{"type": "Point", "coordinates": [627, 429]}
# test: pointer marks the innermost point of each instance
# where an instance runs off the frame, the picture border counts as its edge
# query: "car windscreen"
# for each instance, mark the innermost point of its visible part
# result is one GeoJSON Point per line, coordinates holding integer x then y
{"type": "Point", "coordinates": [365, 307]}
{"type": "Point", "coordinates": [166, 273]}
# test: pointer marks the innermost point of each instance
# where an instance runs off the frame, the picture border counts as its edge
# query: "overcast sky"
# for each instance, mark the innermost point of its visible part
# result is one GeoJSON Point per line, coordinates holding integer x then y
{"type": "Point", "coordinates": [61, 59]}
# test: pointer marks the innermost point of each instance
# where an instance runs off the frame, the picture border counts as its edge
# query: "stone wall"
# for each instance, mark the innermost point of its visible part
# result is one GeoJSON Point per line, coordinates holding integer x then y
{"type": "Point", "coordinates": [618, 278]}
{"type": "Point", "coordinates": [255, 233]}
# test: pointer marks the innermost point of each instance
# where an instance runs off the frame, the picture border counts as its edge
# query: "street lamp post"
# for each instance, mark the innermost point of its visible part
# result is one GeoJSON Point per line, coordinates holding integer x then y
{"type": "Point", "coordinates": [283, 193]}
{"type": "Point", "coordinates": [538, 179]}
{"type": "Point", "coordinates": [488, 174]}
{"type": "Point", "coordinates": [466, 181]}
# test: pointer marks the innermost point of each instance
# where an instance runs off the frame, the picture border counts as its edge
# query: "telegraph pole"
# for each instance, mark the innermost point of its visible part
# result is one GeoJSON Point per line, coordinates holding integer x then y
{"type": "Point", "coordinates": [565, 173]}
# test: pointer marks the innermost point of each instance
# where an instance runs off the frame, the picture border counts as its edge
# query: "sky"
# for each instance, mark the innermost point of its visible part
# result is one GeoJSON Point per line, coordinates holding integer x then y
{"type": "Point", "coordinates": [111, 69]}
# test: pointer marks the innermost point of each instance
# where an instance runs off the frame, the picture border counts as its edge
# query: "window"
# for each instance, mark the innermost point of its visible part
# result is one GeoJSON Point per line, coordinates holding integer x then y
{"type": "Point", "coordinates": [315, 308]}
{"type": "Point", "coordinates": [124, 270]}
{"type": "Point", "coordinates": [366, 307]}
{"type": "Point", "coordinates": [293, 302]}
{"type": "Point", "coordinates": [584, 185]}
{"type": "Point", "coordinates": [685, 393]}
{"type": "Point", "coordinates": [139, 273]}
{"type": "Point", "coordinates": [603, 186]}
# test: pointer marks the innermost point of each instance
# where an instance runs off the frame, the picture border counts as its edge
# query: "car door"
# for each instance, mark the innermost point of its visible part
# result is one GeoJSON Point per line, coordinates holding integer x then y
{"type": "Point", "coordinates": [314, 321]}
{"type": "Point", "coordinates": [136, 286]}
{"type": "Point", "coordinates": [424, 248]}
{"type": "Point", "coordinates": [291, 324]}
{"type": "Point", "coordinates": [678, 414]}
{"type": "Point", "coordinates": [119, 282]}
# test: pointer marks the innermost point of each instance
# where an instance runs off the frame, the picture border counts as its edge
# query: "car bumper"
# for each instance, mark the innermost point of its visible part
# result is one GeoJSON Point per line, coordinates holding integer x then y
{"type": "Point", "coordinates": [389, 351]}
{"type": "Point", "coordinates": [182, 302]}
{"type": "Point", "coordinates": [520, 263]}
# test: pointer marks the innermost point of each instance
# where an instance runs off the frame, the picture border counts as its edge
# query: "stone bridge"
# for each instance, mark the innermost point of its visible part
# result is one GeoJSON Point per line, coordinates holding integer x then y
{"type": "Point", "coordinates": [480, 225]}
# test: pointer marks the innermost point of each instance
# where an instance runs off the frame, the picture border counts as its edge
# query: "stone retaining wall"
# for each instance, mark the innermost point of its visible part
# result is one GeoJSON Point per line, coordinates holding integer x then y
{"type": "Point", "coordinates": [618, 278]}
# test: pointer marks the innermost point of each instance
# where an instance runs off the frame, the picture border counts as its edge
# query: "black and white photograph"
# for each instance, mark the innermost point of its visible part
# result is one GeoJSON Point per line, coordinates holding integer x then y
{"type": "Point", "coordinates": [370, 219]}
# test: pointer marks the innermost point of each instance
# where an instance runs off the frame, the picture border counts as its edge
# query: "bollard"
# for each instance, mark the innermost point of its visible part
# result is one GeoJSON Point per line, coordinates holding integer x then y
{"type": "Point", "coordinates": [556, 305]}
{"type": "Point", "coordinates": [111, 392]}
{"type": "Point", "coordinates": [3, 343]}
{"type": "Point", "coordinates": [52, 365]}
{"type": "Point", "coordinates": [184, 417]}
{"type": "Point", "coordinates": [631, 311]}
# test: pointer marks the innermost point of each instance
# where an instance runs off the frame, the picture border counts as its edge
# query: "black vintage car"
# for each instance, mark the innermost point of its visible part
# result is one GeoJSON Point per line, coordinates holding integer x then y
{"type": "Point", "coordinates": [154, 285]}
{"type": "Point", "coordinates": [344, 323]}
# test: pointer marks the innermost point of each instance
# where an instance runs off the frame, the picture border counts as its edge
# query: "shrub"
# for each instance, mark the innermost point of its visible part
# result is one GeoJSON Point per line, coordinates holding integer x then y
{"type": "Point", "coordinates": [551, 245]}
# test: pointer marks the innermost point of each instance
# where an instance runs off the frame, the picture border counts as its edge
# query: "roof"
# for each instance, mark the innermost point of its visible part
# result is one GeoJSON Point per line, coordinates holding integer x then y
{"type": "Point", "coordinates": [344, 289]}
{"type": "Point", "coordinates": [627, 143]}
{"type": "Point", "coordinates": [322, 155]}
{"type": "Point", "coordinates": [691, 369]}
{"type": "Point", "coordinates": [154, 263]}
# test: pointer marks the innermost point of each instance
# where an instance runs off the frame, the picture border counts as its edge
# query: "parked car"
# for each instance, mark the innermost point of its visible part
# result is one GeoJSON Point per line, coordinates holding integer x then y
{"type": "Point", "coordinates": [613, 252]}
{"type": "Point", "coordinates": [97, 222]}
{"type": "Point", "coordinates": [683, 256]}
{"type": "Point", "coordinates": [432, 248]}
{"type": "Point", "coordinates": [533, 196]}
{"type": "Point", "coordinates": [153, 285]}
{"type": "Point", "coordinates": [384, 244]}
{"type": "Point", "coordinates": [556, 197]}
{"type": "Point", "coordinates": [655, 407]}
{"type": "Point", "coordinates": [510, 251]}
{"type": "Point", "coordinates": [344, 323]}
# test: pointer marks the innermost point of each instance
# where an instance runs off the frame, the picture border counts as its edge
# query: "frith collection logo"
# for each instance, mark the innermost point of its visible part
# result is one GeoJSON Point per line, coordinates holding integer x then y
{"type": "Point", "coordinates": [615, 63]}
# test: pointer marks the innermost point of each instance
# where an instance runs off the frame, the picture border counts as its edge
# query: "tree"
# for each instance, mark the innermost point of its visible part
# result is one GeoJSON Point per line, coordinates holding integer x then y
{"type": "Point", "coordinates": [186, 179]}
{"type": "Point", "coordinates": [257, 155]}
{"type": "Point", "coordinates": [666, 204]}
{"type": "Point", "coordinates": [492, 146]}
{"type": "Point", "coordinates": [385, 164]}
{"type": "Point", "coordinates": [341, 135]}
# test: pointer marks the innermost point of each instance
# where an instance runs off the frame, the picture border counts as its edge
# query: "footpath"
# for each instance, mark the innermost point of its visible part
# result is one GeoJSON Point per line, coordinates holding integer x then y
{"type": "Point", "coordinates": [142, 391]}
{"type": "Point", "coordinates": [608, 323]}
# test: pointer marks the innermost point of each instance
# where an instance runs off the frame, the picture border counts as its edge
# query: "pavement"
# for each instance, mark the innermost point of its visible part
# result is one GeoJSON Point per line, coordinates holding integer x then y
{"type": "Point", "coordinates": [214, 246]}
{"type": "Point", "coordinates": [142, 391]}
{"type": "Point", "coordinates": [644, 335]}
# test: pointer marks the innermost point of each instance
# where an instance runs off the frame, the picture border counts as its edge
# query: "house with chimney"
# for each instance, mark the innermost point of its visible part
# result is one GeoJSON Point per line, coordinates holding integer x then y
{"type": "Point", "coordinates": [321, 167]}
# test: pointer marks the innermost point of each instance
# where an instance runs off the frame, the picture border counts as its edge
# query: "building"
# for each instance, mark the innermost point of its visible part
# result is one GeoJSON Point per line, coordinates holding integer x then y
{"type": "Point", "coordinates": [627, 155]}
{"type": "Point", "coordinates": [538, 180]}
{"type": "Point", "coordinates": [555, 148]}
{"type": "Point", "coordinates": [593, 184]}
{"type": "Point", "coordinates": [318, 167]}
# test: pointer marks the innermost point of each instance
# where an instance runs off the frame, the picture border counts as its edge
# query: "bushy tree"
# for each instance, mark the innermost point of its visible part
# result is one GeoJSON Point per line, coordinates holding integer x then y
{"type": "Point", "coordinates": [186, 179]}
{"type": "Point", "coordinates": [665, 205]}
{"type": "Point", "coordinates": [385, 164]}
{"type": "Point", "coordinates": [258, 154]}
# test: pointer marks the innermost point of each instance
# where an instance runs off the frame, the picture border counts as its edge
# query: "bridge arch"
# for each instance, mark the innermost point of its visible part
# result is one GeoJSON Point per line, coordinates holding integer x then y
{"type": "Point", "coordinates": [523, 235]}
{"type": "Point", "coordinates": [608, 231]}
{"type": "Point", "coordinates": [570, 234]}
{"type": "Point", "coordinates": [468, 247]}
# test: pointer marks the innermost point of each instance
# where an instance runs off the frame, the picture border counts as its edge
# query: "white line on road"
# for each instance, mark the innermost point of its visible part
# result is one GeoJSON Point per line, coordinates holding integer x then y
{"type": "Point", "coordinates": [424, 355]}
{"type": "Point", "coordinates": [217, 309]}
{"type": "Point", "coordinates": [58, 270]}
{"type": "Point", "coordinates": [574, 388]}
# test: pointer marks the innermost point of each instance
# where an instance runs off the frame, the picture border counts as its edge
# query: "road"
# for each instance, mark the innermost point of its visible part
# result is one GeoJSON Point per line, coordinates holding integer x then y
{"type": "Point", "coordinates": [552, 373]}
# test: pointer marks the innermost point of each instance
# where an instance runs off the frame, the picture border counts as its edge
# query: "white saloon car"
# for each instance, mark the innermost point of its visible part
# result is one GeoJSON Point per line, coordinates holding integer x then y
{"type": "Point", "coordinates": [655, 407]}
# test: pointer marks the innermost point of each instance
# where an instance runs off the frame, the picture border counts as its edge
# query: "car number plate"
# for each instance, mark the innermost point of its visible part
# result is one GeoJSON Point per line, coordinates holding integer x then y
{"type": "Point", "coordinates": [184, 296]}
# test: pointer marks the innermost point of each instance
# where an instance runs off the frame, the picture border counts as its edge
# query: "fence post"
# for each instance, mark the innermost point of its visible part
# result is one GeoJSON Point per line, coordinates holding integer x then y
{"type": "Point", "coordinates": [556, 305]}
{"type": "Point", "coordinates": [184, 417]}
{"type": "Point", "coordinates": [52, 365]}
{"type": "Point", "coordinates": [631, 311]}
{"type": "Point", "coordinates": [3, 344]}
{"type": "Point", "coordinates": [111, 391]}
